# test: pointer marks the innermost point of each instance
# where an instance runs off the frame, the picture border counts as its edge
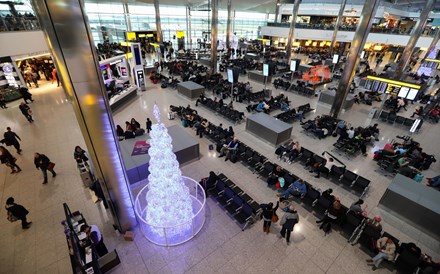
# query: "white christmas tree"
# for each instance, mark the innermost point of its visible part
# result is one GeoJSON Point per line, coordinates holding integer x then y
{"type": "Point", "coordinates": [169, 201]}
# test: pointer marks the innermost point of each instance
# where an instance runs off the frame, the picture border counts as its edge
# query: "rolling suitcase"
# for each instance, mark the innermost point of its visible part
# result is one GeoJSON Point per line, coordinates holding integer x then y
{"type": "Point", "coordinates": [86, 178]}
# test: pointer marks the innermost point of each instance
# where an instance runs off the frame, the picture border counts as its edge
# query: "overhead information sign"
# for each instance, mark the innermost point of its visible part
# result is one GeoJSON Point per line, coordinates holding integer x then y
{"type": "Point", "coordinates": [398, 88]}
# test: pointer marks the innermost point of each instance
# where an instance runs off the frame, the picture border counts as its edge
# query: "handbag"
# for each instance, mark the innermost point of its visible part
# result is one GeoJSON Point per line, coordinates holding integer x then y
{"type": "Point", "coordinates": [11, 217]}
{"type": "Point", "coordinates": [50, 166]}
{"type": "Point", "coordinates": [274, 218]}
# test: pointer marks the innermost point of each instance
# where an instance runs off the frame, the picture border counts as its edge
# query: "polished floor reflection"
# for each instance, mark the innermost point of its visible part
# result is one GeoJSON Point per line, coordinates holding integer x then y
{"type": "Point", "coordinates": [221, 246]}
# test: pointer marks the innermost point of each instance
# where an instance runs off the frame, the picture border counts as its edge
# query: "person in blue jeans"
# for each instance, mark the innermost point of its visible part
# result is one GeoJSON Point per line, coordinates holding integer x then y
{"type": "Point", "coordinates": [297, 189]}
{"type": "Point", "coordinates": [387, 251]}
{"type": "Point", "coordinates": [434, 182]}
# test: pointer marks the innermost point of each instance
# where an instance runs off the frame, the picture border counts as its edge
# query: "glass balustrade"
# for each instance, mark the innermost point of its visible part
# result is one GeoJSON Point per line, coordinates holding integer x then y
{"type": "Point", "coordinates": [374, 29]}
{"type": "Point", "coordinates": [18, 23]}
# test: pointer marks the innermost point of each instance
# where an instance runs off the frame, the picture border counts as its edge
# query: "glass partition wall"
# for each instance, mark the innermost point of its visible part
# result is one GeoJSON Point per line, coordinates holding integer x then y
{"type": "Point", "coordinates": [108, 21]}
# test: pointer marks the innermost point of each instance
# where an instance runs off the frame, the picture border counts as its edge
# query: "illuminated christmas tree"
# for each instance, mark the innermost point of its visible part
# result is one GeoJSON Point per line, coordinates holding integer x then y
{"type": "Point", "coordinates": [169, 200]}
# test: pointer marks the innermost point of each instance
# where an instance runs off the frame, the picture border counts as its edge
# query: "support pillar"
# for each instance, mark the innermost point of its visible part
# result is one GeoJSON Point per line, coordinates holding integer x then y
{"type": "Point", "coordinates": [277, 10]}
{"type": "Point", "coordinates": [189, 27]}
{"type": "Point", "coordinates": [414, 37]}
{"type": "Point", "coordinates": [158, 25]}
{"type": "Point", "coordinates": [357, 45]}
{"type": "Point", "coordinates": [291, 31]}
{"type": "Point", "coordinates": [233, 23]}
{"type": "Point", "coordinates": [338, 22]}
{"type": "Point", "coordinates": [64, 23]}
{"type": "Point", "coordinates": [214, 35]}
{"type": "Point", "coordinates": [433, 43]}
{"type": "Point", "coordinates": [228, 25]}
{"type": "Point", "coordinates": [127, 16]}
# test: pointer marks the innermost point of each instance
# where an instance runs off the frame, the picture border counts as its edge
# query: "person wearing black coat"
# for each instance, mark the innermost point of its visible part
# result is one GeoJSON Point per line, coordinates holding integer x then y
{"type": "Point", "coordinates": [26, 111]}
{"type": "Point", "coordinates": [134, 125]}
{"type": "Point", "coordinates": [9, 160]}
{"type": "Point", "coordinates": [268, 212]}
{"type": "Point", "coordinates": [11, 139]}
{"type": "Point", "coordinates": [42, 162]}
{"type": "Point", "coordinates": [25, 94]}
{"type": "Point", "coordinates": [80, 155]}
{"type": "Point", "coordinates": [18, 211]}
{"type": "Point", "coordinates": [288, 221]}
{"type": "Point", "coordinates": [149, 124]}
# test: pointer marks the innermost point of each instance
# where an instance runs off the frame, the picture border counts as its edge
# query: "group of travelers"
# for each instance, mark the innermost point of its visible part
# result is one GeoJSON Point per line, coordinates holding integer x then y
{"type": "Point", "coordinates": [132, 129]}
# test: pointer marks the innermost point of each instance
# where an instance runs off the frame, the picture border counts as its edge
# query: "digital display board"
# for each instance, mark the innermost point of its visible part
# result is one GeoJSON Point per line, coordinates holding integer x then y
{"type": "Point", "coordinates": [230, 76]}
{"type": "Point", "coordinates": [412, 94]}
{"type": "Point", "coordinates": [266, 69]}
{"type": "Point", "coordinates": [403, 92]}
{"type": "Point", "coordinates": [383, 85]}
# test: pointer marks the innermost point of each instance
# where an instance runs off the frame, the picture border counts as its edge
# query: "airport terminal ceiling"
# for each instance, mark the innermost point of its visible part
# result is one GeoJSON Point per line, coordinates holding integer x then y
{"type": "Point", "coordinates": [268, 6]}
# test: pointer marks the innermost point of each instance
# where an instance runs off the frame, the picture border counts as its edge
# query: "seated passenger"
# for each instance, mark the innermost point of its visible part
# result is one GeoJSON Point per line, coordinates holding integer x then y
{"type": "Point", "coordinates": [374, 130]}
{"type": "Point", "coordinates": [435, 114]}
{"type": "Point", "coordinates": [293, 153]}
{"type": "Point", "coordinates": [229, 149]}
{"type": "Point", "coordinates": [356, 207]}
{"type": "Point", "coordinates": [334, 212]}
{"type": "Point", "coordinates": [387, 250]}
{"type": "Point", "coordinates": [375, 222]}
{"type": "Point", "coordinates": [297, 189]}
{"type": "Point", "coordinates": [434, 181]}
{"type": "Point", "coordinates": [324, 167]}
{"type": "Point", "coordinates": [403, 161]}
{"type": "Point", "coordinates": [281, 150]}
{"type": "Point", "coordinates": [274, 177]}
{"type": "Point", "coordinates": [260, 107]}
{"type": "Point", "coordinates": [134, 125]}
{"type": "Point", "coordinates": [418, 112]}
{"type": "Point", "coordinates": [209, 182]}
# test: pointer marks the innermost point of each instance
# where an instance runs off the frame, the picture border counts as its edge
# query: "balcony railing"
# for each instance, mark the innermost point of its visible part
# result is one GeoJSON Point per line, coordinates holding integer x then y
{"type": "Point", "coordinates": [374, 29]}
{"type": "Point", "coordinates": [13, 23]}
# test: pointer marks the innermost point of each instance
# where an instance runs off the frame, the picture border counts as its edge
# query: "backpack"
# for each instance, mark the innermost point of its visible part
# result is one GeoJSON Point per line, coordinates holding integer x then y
{"type": "Point", "coordinates": [326, 227]}
{"type": "Point", "coordinates": [290, 223]}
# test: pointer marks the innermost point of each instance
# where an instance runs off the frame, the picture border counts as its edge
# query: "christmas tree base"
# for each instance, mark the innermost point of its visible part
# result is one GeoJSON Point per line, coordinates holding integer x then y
{"type": "Point", "coordinates": [187, 229]}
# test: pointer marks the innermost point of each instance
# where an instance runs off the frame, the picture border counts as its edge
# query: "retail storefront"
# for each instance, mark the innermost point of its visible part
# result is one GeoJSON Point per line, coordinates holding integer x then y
{"type": "Point", "coordinates": [10, 79]}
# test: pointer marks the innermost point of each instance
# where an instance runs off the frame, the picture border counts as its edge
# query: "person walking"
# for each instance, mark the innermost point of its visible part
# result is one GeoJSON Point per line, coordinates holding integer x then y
{"type": "Point", "coordinates": [26, 111]}
{"type": "Point", "coordinates": [34, 77]}
{"type": "Point", "coordinates": [9, 160]}
{"type": "Point", "coordinates": [268, 216]}
{"type": "Point", "coordinates": [42, 162]}
{"type": "Point", "coordinates": [149, 124]}
{"type": "Point", "coordinates": [10, 139]}
{"type": "Point", "coordinates": [18, 212]}
{"type": "Point", "coordinates": [95, 236]}
{"type": "Point", "coordinates": [288, 221]}
{"type": "Point", "coordinates": [55, 77]}
{"type": "Point", "coordinates": [25, 94]}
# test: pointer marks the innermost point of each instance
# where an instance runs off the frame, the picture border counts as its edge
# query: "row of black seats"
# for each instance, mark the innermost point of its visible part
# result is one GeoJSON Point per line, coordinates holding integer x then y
{"type": "Point", "coordinates": [340, 175]}
{"type": "Point", "coordinates": [256, 96]}
{"type": "Point", "coordinates": [302, 90]}
{"type": "Point", "coordinates": [353, 226]}
{"type": "Point", "coordinates": [231, 114]}
{"type": "Point", "coordinates": [257, 163]}
{"type": "Point", "coordinates": [291, 115]}
{"type": "Point", "coordinates": [239, 205]}
{"type": "Point", "coordinates": [393, 118]}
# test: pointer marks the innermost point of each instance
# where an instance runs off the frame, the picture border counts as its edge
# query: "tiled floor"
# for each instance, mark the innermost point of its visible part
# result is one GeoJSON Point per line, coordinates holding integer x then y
{"type": "Point", "coordinates": [221, 246]}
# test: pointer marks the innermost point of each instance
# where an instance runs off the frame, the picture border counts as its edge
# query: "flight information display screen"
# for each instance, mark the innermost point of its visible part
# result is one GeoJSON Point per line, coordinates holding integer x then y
{"type": "Point", "coordinates": [397, 88]}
